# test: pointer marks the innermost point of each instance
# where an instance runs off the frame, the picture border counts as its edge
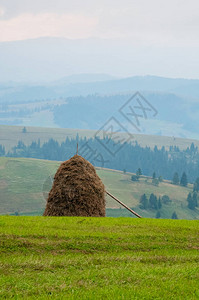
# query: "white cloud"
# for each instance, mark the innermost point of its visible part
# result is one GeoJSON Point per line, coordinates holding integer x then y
{"type": "Point", "coordinates": [154, 22]}
{"type": "Point", "coordinates": [27, 26]}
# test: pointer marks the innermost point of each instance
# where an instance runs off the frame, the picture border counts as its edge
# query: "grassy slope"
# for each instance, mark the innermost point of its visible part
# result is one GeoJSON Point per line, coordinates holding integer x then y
{"type": "Point", "coordinates": [129, 192]}
{"type": "Point", "coordinates": [10, 135]}
{"type": "Point", "coordinates": [98, 258]}
{"type": "Point", "coordinates": [22, 182]}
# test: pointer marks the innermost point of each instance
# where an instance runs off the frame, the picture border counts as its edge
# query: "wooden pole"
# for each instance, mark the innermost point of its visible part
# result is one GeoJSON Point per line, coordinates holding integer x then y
{"type": "Point", "coordinates": [132, 211]}
{"type": "Point", "coordinates": [77, 149]}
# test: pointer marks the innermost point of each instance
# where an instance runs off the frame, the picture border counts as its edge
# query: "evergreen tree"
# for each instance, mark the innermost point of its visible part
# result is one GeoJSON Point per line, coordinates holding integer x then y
{"type": "Point", "coordinates": [139, 172]}
{"type": "Point", "coordinates": [153, 202]}
{"type": "Point", "coordinates": [176, 179]}
{"type": "Point", "coordinates": [158, 214]}
{"type": "Point", "coordinates": [134, 178]}
{"type": "Point", "coordinates": [196, 185]}
{"type": "Point", "coordinates": [195, 199]}
{"type": "Point", "coordinates": [165, 199]}
{"type": "Point", "coordinates": [190, 201]}
{"type": "Point", "coordinates": [183, 180]}
{"type": "Point", "coordinates": [154, 175]}
{"type": "Point", "coordinates": [159, 203]}
{"type": "Point", "coordinates": [2, 150]}
{"type": "Point", "coordinates": [144, 203]}
{"type": "Point", "coordinates": [174, 215]}
{"type": "Point", "coordinates": [192, 148]}
{"type": "Point", "coordinates": [24, 130]}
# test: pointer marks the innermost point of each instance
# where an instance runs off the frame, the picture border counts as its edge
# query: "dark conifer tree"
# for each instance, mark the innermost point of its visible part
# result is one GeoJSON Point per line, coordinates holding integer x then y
{"type": "Point", "coordinates": [190, 201]}
{"type": "Point", "coordinates": [158, 214]}
{"type": "Point", "coordinates": [176, 179]}
{"type": "Point", "coordinates": [166, 199]}
{"type": "Point", "coordinates": [159, 203]}
{"type": "Point", "coordinates": [174, 215]}
{"type": "Point", "coordinates": [24, 130]}
{"type": "Point", "coordinates": [2, 150]}
{"type": "Point", "coordinates": [196, 185]}
{"type": "Point", "coordinates": [183, 180]}
{"type": "Point", "coordinates": [195, 199]}
{"type": "Point", "coordinates": [144, 203]}
{"type": "Point", "coordinates": [153, 202]}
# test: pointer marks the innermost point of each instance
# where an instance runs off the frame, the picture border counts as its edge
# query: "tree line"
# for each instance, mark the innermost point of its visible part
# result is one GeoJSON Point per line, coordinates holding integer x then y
{"type": "Point", "coordinates": [130, 156]}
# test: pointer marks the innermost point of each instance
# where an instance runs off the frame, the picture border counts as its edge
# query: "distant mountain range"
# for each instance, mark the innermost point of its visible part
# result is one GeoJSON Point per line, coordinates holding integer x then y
{"type": "Point", "coordinates": [47, 59]}
{"type": "Point", "coordinates": [86, 100]}
{"type": "Point", "coordinates": [88, 105]}
{"type": "Point", "coordinates": [183, 87]}
{"type": "Point", "coordinates": [89, 84]}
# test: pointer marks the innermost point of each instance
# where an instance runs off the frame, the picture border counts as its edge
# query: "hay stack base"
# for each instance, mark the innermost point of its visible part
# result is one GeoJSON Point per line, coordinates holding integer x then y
{"type": "Point", "coordinates": [77, 190]}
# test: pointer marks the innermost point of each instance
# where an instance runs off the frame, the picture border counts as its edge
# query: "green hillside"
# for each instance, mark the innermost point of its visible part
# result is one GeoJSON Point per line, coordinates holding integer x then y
{"type": "Point", "coordinates": [25, 183]}
{"type": "Point", "coordinates": [98, 258]}
{"type": "Point", "coordinates": [10, 135]}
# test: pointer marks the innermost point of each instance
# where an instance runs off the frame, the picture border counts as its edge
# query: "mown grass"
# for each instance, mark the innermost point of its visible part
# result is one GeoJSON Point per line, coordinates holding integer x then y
{"type": "Point", "coordinates": [98, 258]}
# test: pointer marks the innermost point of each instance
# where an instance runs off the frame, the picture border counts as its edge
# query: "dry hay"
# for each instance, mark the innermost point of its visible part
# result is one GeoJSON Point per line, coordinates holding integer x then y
{"type": "Point", "coordinates": [77, 190]}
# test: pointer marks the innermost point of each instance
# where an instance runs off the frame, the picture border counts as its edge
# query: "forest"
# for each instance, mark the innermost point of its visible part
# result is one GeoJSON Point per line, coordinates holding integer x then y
{"type": "Point", "coordinates": [106, 153]}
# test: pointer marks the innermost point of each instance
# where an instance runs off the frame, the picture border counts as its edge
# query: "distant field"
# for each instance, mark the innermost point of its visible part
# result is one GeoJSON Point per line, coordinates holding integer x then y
{"type": "Point", "coordinates": [98, 258]}
{"type": "Point", "coordinates": [24, 184]}
{"type": "Point", "coordinates": [10, 135]}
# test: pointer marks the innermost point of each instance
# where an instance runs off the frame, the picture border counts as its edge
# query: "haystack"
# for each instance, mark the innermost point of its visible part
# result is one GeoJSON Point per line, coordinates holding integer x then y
{"type": "Point", "coordinates": [77, 190]}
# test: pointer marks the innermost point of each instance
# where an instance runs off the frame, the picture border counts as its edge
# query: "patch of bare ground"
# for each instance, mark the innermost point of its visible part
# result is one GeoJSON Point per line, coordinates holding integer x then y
{"type": "Point", "coordinates": [3, 184]}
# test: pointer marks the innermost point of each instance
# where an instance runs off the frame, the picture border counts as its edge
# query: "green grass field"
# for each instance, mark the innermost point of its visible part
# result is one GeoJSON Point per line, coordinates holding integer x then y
{"type": "Point", "coordinates": [98, 258]}
{"type": "Point", "coordinates": [24, 184]}
{"type": "Point", "coordinates": [10, 135]}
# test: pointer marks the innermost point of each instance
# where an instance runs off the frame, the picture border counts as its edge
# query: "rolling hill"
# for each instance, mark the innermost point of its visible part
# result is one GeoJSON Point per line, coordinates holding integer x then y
{"type": "Point", "coordinates": [24, 184]}
{"type": "Point", "coordinates": [176, 115]}
{"type": "Point", "coordinates": [10, 135]}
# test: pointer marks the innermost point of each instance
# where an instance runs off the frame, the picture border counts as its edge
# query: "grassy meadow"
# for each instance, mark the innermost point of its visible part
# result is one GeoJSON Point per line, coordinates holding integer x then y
{"type": "Point", "coordinates": [25, 183]}
{"type": "Point", "coordinates": [98, 258]}
{"type": "Point", "coordinates": [10, 135]}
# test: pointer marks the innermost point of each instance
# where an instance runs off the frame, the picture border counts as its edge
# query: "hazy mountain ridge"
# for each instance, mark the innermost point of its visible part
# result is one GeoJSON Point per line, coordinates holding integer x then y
{"type": "Point", "coordinates": [176, 116]}
{"type": "Point", "coordinates": [76, 102]}
{"type": "Point", "coordinates": [47, 59]}
{"type": "Point", "coordinates": [77, 85]}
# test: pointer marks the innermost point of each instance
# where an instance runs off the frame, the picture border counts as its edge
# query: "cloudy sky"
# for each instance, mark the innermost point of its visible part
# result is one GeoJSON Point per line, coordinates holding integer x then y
{"type": "Point", "coordinates": [154, 21]}
{"type": "Point", "coordinates": [172, 24]}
